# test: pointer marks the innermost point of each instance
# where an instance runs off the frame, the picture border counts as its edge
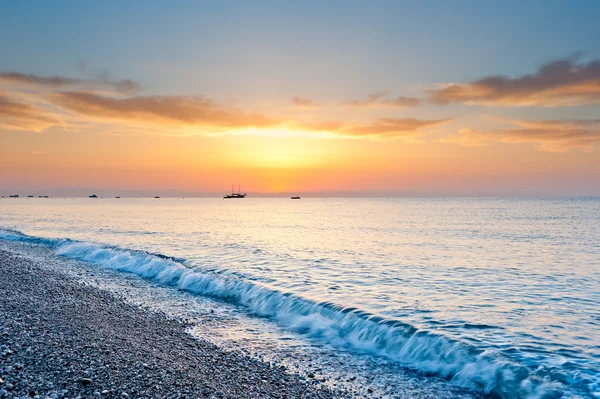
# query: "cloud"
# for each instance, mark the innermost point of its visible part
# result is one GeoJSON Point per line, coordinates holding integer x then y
{"type": "Point", "coordinates": [468, 138]}
{"type": "Point", "coordinates": [553, 135]}
{"type": "Point", "coordinates": [22, 116]}
{"type": "Point", "coordinates": [559, 83]}
{"type": "Point", "coordinates": [39, 109]}
{"type": "Point", "coordinates": [385, 128]}
{"type": "Point", "coordinates": [303, 102]}
{"type": "Point", "coordinates": [123, 86]}
{"type": "Point", "coordinates": [168, 110]}
{"type": "Point", "coordinates": [391, 128]}
{"type": "Point", "coordinates": [205, 113]}
{"type": "Point", "coordinates": [381, 99]}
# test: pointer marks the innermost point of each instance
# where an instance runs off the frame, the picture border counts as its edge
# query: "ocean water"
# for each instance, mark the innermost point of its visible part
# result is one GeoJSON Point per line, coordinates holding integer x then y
{"type": "Point", "coordinates": [396, 297]}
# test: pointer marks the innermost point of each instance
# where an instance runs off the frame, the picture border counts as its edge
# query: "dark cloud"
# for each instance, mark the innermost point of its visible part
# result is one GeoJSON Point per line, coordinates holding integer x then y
{"type": "Point", "coordinates": [303, 102]}
{"type": "Point", "coordinates": [125, 86]}
{"type": "Point", "coordinates": [559, 83]}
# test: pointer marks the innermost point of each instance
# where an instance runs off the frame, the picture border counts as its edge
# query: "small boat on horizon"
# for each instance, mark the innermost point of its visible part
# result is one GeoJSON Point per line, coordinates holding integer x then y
{"type": "Point", "coordinates": [157, 196]}
{"type": "Point", "coordinates": [93, 196]}
{"type": "Point", "coordinates": [234, 194]}
{"type": "Point", "coordinates": [296, 197]}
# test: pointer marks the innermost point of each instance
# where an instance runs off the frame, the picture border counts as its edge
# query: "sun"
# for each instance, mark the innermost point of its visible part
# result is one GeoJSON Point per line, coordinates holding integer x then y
{"type": "Point", "coordinates": [275, 149]}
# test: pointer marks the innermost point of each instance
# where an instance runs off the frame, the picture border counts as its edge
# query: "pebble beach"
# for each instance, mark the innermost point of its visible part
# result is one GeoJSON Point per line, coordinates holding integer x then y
{"type": "Point", "coordinates": [60, 338]}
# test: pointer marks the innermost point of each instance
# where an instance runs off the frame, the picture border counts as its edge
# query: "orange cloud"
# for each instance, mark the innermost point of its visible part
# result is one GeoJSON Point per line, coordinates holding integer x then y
{"type": "Point", "coordinates": [21, 116]}
{"type": "Point", "coordinates": [390, 128]}
{"type": "Point", "coordinates": [381, 99]}
{"type": "Point", "coordinates": [385, 128]}
{"type": "Point", "coordinates": [175, 113]}
{"type": "Point", "coordinates": [201, 112]}
{"type": "Point", "coordinates": [171, 110]}
{"type": "Point", "coordinates": [553, 135]}
{"type": "Point", "coordinates": [559, 83]}
{"type": "Point", "coordinates": [468, 138]}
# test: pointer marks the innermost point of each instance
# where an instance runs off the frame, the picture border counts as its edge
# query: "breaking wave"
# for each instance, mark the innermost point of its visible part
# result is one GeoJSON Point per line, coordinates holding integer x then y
{"type": "Point", "coordinates": [347, 328]}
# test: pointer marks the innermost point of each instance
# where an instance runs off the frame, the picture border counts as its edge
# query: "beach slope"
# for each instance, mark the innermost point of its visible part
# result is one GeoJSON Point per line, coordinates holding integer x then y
{"type": "Point", "coordinates": [61, 338]}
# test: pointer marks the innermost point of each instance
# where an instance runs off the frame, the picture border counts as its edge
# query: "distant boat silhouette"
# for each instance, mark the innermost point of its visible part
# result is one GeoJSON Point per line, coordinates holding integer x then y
{"type": "Point", "coordinates": [30, 196]}
{"type": "Point", "coordinates": [117, 197]}
{"type": "Point", "coordinates": [296, 197]}
{"type": "Point", "coordinates": [157, 196]}
{"type": "Point", "coordinates": [93, 196]}
{"type": "Point", "coordinates": [14, 196]}
{"type": "Point", "coordinates": [234, 194]}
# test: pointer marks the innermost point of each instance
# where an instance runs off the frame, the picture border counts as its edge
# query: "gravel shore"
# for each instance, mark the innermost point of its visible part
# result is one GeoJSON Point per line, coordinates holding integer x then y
{"type": "Point", "coordinates": [63, 339]}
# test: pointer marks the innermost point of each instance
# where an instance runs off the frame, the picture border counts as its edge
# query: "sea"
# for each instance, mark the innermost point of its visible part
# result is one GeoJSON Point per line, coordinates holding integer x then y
{"type": "Point", "coordinates": [385, 297]}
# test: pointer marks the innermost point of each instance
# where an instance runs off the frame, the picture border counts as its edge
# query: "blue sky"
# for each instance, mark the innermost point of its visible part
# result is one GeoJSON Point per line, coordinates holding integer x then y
{"type": "Point", "coordinates": [225, 47]}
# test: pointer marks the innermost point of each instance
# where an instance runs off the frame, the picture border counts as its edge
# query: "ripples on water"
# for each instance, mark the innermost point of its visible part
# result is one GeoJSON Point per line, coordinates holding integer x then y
{"type": "Point", "coordinates": [497, 295]}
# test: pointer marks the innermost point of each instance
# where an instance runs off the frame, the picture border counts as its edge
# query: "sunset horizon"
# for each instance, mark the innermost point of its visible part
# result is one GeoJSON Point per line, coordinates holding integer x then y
{"type": "Point", "coordinates": [283, 199]}
{"type": "Point", "coordinates": [387, 108]}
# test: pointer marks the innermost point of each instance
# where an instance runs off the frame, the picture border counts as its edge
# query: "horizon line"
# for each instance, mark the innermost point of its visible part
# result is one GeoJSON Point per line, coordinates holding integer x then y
{"type": "Point", "coordinates": [287, 195]}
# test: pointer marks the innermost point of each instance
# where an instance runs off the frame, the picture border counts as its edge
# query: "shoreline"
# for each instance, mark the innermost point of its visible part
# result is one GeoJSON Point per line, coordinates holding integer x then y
{"type": "Point", "coordinates": [60, 338]}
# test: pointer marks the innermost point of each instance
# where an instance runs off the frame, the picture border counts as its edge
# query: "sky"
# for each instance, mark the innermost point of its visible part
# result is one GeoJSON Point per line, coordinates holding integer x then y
{"type": "Point", "coordinates": [416, 98]}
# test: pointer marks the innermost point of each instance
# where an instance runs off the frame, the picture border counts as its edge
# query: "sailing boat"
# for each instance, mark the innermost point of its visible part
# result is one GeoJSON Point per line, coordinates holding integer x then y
{"type": "Point", "coordinates": [234, 194]}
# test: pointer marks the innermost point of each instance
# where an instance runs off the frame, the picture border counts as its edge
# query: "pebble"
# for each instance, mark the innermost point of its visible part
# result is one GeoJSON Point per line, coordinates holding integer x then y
{"type": "Point", "coordinates": [90, 338]}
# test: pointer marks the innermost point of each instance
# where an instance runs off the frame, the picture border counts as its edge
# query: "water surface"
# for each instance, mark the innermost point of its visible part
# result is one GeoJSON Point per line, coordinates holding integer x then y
{"type": "Point", "coordinates": [499, 296]}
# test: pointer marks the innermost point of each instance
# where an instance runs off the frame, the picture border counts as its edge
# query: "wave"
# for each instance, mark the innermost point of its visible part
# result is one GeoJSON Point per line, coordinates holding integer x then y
{"type": "Point", "coordinates": [347, 328]}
